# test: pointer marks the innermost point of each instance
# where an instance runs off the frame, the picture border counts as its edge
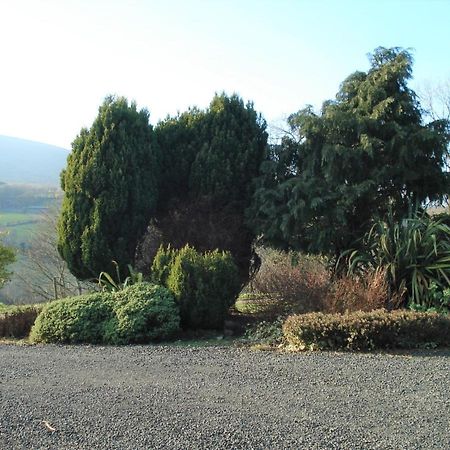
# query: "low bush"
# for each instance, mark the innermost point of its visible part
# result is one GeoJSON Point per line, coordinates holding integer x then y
{"type": "Point", "coordinates": [257, 305]}
{"type": "Point", "coordinates": [139, 313]}
{"type": "Point", "coordinates": [143, 313]}
{"type": "Point", "coordinates": [16, 321]}
{"type": "Point", "coordinates": [204, 285]}
{"type": "Point", "coordinates": [79, 319]}
{"type": "Point", "coordinates": [265, 332]}
{"type": "Point", "coordinates": [293, 282]}
{"type": "Point", "coordinates": [367, 330]}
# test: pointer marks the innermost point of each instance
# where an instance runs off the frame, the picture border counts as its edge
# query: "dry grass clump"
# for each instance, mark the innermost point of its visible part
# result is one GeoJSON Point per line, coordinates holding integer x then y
{"type": "Point", "coordinates": [290, 282]}
{"type": "Point", "coordinates": [360, 330]}
{"type": "Point", "coordinates": [361, 293]}
{"type": "Point", "coordinates": [17, 321]}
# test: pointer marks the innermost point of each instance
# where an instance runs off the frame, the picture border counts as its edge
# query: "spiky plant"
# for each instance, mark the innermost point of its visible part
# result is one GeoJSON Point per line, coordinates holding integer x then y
{"type": "Point", "coordinates": [415, 253]}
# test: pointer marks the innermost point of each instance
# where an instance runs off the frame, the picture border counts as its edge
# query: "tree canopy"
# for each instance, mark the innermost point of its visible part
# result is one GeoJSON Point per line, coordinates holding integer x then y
{"type": "Point", "coordinates": [214, 152]}
{"type": "Point", "coordinates": [191, 177]}
{"type": "Point", "coordinates": [367, 151]}
{"type": "Point", "coordinates": [110, 190]}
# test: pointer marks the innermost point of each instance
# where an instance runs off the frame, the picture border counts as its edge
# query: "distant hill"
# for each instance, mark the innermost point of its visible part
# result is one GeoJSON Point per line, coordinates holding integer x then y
{"type": "Point", "coordinates": [23, 161]}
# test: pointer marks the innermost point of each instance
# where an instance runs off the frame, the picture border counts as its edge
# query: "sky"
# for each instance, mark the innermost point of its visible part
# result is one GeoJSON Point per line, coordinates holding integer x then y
{"type": "Point", "coordinates": [60, 58]}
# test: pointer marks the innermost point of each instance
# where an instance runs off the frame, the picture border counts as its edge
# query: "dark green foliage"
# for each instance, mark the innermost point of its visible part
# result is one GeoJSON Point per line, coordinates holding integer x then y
{"type": "Point", "coordinates": [367, 151]}
{"type": "Point", "coordinates": [208, 162]}
{"type": "Point", "coordinates": [367, 330]}
{"type": "Point", "coordinates": [214, 153]}
{"type": "Point", "coordinates": [204, 285]}
{"type": "Point", "coordinates": [16, 321]}
{"type": "Point", "coordinates": [414, 252]}
{"type": "Point", "coordinates": [266, 332]}
{"type": "Point", "coordinates": [143, 313]}
{"type": "Point", "coordinates": [7, 257]}
{"type": "Point", "coordinates": [233, 141]}
{"type": "Point", "coordinates": [138, 314]}
{"type": "Point", "coordinates": [110, 187]}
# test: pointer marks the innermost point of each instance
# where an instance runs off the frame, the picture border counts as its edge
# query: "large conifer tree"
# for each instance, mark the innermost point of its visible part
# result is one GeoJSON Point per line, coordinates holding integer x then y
{"type": "Point", "coordinates": [366, 152]}
{"type": "Point", "coordinates": [110, 189]}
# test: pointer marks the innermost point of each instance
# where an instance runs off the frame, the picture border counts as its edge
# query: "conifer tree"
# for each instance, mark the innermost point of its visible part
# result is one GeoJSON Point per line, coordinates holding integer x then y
{"type": "Point", "coordinates": [366, 152]}
{"type": "Point", "coordinates": [209, 159]}
{"type": "Point", "coordinates": [110, 190]}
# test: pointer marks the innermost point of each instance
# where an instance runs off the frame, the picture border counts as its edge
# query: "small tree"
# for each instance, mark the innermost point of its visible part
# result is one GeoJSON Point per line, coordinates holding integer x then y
{"type": "Point", "coordinates": [110, 190]}
{"type": "Point", "coordinates": [7, 257]}
{"type": "Point", "coordinates": [43, 273]}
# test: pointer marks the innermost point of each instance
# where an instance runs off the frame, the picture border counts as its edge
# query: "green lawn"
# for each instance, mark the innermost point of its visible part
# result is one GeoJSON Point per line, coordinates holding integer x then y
{"type": "Point", "coordinates": [19, 227]}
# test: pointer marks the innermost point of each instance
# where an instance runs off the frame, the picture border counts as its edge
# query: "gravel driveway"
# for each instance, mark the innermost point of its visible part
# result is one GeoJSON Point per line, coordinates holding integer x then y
{"type": "Point", "coordinates": [167, 397]}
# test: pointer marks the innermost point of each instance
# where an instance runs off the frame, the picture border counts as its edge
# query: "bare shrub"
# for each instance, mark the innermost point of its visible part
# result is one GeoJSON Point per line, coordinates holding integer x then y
{"type": "Point", "coordinates": [366, 292]}
{"type": "Point", "coordinates": [17, 321]}
{"type": "Point", "coordinates": [291, 281]}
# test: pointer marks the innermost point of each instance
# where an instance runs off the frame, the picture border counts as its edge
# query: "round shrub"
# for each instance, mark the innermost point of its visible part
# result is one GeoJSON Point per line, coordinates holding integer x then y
{"type": "Point", "coordinates": [140, 313]}
{"type": "Point", "coordinates": [74, 320]}
{"type": "Point", "coordinates": [143, 313]}
{"type": "Point", "coordinates": [205, 285]}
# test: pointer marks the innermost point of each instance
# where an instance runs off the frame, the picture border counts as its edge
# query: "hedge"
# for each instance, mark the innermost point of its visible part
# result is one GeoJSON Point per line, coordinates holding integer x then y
{"type": "Point", "coordinates": [378, 329]}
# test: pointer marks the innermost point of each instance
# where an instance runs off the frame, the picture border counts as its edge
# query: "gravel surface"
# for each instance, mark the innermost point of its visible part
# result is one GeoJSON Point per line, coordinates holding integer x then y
{"type": "Point", "coordinates": [168, 397]}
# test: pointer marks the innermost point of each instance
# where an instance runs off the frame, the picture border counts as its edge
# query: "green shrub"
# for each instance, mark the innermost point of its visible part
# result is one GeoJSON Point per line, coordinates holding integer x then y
{"type": "Point", "coordinates": [162, 264]}
{"type": "Point", "coordinates": [143, 313]}
{"type": "Point", "coordinates": [204, 285]}
{"type": "Point", "coordinates": [139, 313]}
{"type": "Point", "coordinates": [74, 319]}
{"type": "Point", "coordinates": [257, 304]}
{"type": "Point", "coordinates": [367, 330]}
{"type": "Point", "coordinates": [16, 321]}
{"type": "Point", "coordinates": [440, 299]}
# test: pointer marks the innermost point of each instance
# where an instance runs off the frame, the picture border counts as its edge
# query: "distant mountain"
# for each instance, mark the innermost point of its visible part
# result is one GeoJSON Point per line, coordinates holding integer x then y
{"type": "Point", "coordinates": [23, 161]}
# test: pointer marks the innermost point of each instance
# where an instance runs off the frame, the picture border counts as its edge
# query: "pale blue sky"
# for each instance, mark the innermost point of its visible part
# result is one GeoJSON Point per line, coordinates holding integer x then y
{"type": "Point", "coordinates": [60, 58]}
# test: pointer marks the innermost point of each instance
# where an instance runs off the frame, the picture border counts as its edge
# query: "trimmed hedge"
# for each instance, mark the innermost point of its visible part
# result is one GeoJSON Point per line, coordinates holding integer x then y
{"type": "Point", "coordinates": [139, 314]}
{"type": "Point", "coordinates": [16, 321]}
{"type": "Point", "coordinates": [378, 329]}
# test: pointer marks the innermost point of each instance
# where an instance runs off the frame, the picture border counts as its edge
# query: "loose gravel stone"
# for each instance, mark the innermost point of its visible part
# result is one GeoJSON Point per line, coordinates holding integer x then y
{"type": "Point", "coordinates": [169, 397]}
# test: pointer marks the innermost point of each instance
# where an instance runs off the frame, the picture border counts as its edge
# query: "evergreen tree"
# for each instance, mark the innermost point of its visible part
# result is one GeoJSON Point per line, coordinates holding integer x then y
{"type": "Point", "coordinates": [110, 190]}
{"type": "Point", "coordinates": [209, 160]}
{"type": "Point", "coordinates": [213, 153]}
{"type": "Point", "coordinates": [367, 151]}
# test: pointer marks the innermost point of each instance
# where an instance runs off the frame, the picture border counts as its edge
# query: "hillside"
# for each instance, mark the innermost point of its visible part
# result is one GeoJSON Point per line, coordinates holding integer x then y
{"type": "Point", "coordinates": [23, 161]}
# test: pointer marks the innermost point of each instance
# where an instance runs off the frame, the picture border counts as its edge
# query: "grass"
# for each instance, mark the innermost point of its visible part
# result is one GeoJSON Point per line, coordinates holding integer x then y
{"type": "Point", "coordinates": [255, 304]}
{"type": "Point", "coordinates": [19, 226]}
